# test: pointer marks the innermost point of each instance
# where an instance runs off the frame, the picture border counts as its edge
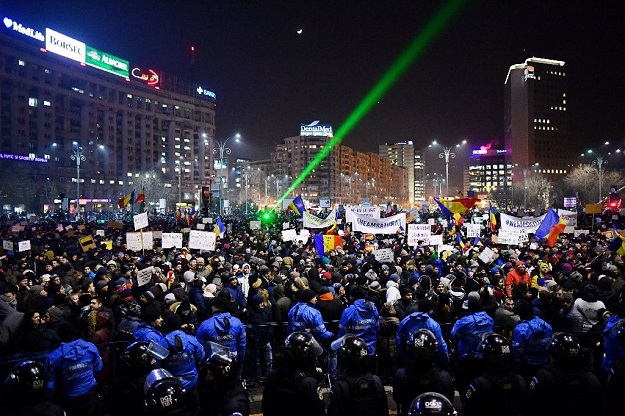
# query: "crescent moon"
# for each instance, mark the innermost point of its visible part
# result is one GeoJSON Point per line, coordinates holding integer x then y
{"type": "Point", "coordinates": [299, 31]}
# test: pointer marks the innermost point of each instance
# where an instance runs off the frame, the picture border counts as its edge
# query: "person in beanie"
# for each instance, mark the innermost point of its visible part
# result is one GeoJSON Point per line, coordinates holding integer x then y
{"type": "Point", "coordinates": [72, 368]}
{"type": "Point", "coordinates": [467, 334]}
{"type": "Point", "coordinates": [224, 329]}
{"type": "Point", "coordinates": [304, 317]}
{"type": "Point", "coordinates": [149, 329]}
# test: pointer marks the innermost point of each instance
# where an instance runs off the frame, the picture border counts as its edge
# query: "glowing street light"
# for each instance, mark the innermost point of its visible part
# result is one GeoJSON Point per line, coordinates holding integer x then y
{"type": "Point", "coordinates": [447, 154]}
{"type": "Point", "coordinates": [78, 156]}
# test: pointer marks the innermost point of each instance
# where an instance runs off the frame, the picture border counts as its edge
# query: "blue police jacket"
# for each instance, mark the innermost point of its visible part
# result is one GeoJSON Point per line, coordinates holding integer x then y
{"type": "Point", "coordinates": [303, 317]}
{"type": "Point", "coordinates": [363, 320]}
{"type": "Point", "coordinates": [224, 329]}
{"type": "Point", "coordinates": [530, 341]}
{"type": "Point", "coordinates": [71, 368]}
{"type": "Point", "coordinates": [467, 333]}
{"type": "Point", "coordinates": [183, 364]}
{"type": "Point", "coordinates": [612, 349]}
{"type": "Point", "coordinates": [146, 332]}
{"type": "Point", "coordinates": [414, 322]}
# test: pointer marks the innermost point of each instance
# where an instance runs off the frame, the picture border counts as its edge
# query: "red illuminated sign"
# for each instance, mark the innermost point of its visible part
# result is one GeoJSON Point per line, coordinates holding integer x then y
{"type": "Point", "coordinates": [149, 76]}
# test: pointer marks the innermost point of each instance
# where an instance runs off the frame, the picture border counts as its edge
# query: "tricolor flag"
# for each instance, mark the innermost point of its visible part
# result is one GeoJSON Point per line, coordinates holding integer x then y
{"type": "Point", "coordinates": [457, 205]}
{"type": "Point", "coordinates": [297, 205]}
{"type": "Point", "coordinates": [127, 200]}
{"type": "Point", "coordinates": [220, 228]}
{"type": "Point", "coordinates": [550, 228]}
{"type": "Point", "coordinates": [492, 221]}
{"type": "Point", "coordinates": [141, 197]}
{"type": "Point", "coordinates": [326, 243]}
{"type": "Point", "coordinates": [617, 245]}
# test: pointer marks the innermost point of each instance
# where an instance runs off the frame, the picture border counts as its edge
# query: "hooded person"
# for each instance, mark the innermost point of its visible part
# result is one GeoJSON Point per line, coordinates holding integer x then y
{"type": "Point", "coordinates": [361, 319]}
{"type": "Point", "coordinates": [392, 288]}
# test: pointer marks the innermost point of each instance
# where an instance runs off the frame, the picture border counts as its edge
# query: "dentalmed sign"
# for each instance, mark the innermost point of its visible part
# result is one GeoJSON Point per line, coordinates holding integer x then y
{"type": "Point", "coordinates": [315, 129]}
{"type": "Point", "coordinates": [65, 46]}
{"type": "Point", "coordinates": [107, 62]}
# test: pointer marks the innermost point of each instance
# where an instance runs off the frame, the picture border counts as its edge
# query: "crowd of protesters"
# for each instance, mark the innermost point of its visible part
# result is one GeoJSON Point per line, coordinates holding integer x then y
{"type": "Point", "coordinates": [257, 288]}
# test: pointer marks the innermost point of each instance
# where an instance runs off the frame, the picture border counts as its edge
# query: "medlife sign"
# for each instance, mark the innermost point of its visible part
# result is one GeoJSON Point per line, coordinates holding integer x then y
{"type": "Point", "coordinates": [65, 46]}
{"type": "Point", "coordinates": [316, 129]}
{"type": "Point", "coordinates": [23, 30]}
{"type": "Point", "coordinates": [107, 62]}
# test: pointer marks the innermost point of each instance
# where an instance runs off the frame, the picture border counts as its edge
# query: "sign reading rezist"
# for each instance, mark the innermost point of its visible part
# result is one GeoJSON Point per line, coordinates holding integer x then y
{"type": "Point", "coordinates": [65, 46]}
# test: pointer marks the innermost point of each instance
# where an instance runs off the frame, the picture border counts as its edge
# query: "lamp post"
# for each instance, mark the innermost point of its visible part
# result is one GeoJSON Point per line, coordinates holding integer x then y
{"type": "Point", "coordinates": [246, 175]}
{"type": "Point", "coordinates": [179, 163]}
{"type": "Point", "coordinates": [78, 156]}
{"type": "Point", "coordinates": [222, 149]}
{"type": "Point", "coordinates": [447, 154]}
{"type": "Point", "coordinates": [599, 161]}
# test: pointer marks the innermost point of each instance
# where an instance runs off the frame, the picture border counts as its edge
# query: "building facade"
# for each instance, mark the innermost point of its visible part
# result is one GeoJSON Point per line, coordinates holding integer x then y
{"type": "Point", "coordinates": [404, 154]}
{"type": "Point", "coordinates": [535, 118]}
{"type": "Point", "coordinates": [131, 126]}
{"type": "Point", "coordinates": [489, 172]}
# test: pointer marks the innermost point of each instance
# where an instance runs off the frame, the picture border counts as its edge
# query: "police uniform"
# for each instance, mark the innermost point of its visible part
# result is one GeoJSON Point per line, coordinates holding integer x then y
{"type": "Point", "coordinates": [358, 396]}
{"type": "Point", "coordinates": [421, 320]}
{"type": "Point", "coordinates": [303, 317]}
{"type": "Point", "coordinates": [291, 390]}
{"type": "Point", "coordinates": [408, 384]}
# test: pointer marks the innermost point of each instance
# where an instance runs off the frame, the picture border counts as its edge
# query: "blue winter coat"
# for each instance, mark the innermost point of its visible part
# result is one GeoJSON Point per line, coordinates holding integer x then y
{"type": "Point", "coordinates": [71, 368]}
{"type": "Point", "coordinates": [146, 332]}
{"type": "Point", "coordinates": [414, 322]}
{"type": "Point", "coordinates": [224, 329]}
{"type": "Point", "coordinates": [303, 317]}
{"type": "Point", "coordinates": [237, 294]}
{"type": "Point", "coordinates": [530, 341]}
{"type": "Point", "coordinates": [467, 333]}
{"type": "Point", "coordinates": [183, 364]}
{"type": "Point", "coordinates": [363, 320]}
{"type": "Point", "coordinates": [612, 349]}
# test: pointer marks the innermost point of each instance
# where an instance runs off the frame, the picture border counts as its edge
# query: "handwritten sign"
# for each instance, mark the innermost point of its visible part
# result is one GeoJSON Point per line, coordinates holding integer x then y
{"type": "Point", "coordinates": [436, 240]}
{"type": "Point", "coordinates": [419, 232]}
{"type": "Point", "coordinates": [87, 243]}
{"type": "Point", "coordinates": [170, 240]}
{"type": "Point", "coordinates": [140, 220]}
{"type": "Point", "coordinates": [144, 276]}
{"type": "Point", "coordinates": [289, 235]}
{"type": "Point", "coordinates": [7, 245]}
{"type": "Point", "coordinates": [383, 255]}
{"type": "Point", "coordinates": [99, 232]}
{"type": "Point", "coordinates": [23, 246]}
{"type": "Point", "coordinates": [473, 230]}
{"type": "Point", "coordinates": [254, 225]}
{"type": "Point", "coordinates": [202, 240]}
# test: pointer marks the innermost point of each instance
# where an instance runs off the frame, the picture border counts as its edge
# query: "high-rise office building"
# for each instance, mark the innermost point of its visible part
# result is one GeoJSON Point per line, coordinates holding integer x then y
{"type": "Point", "coordinates": [535, 118]}
{"type": "Point", "coordinates": [61, 98]}
{"type": "Point", "coordinates": [404, 154]}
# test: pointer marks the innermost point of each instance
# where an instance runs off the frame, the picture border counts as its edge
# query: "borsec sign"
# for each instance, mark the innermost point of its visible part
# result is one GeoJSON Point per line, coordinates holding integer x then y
{"type": "Point", "coordinates": [65, 46]}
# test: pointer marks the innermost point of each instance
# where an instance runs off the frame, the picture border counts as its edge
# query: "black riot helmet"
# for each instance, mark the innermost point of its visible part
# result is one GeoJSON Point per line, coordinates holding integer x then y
{"type": "Point", "coordinates": [422, 346]}
{"type": "Point", "coordinates": [431, 404]}
{"type": "Point", "coordinates": [138, 357]}
{"type": "Point", "coordinates": [221, 364]}
{"type": "Point", "coordinates": [352, 350]}
{"type": "Point", "coordinates": [494, 345]}
{"type": "Point", "coordinates": [566, 350]}
{"type": "Point", "coordinates": [301, 347]}
{"type": "Point", "coordinates": [28, 377]}
{"type": "Point", "coordinates": [164, 394]}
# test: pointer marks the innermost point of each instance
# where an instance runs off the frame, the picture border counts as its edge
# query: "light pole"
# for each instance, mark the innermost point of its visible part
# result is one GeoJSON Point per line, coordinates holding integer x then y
{"type": "Point", "coordinates": [179, 163]}
{"type": "Point", "coordinates": [599, 161]}
{"type": "Point", "coordinates": [246, 175]}
{"type": "Point", "coordinates": [78, 156]}
{"type": "Point", "coordinates": [222, 149]}
{"type": "Point", "coordinates": [447, 154]}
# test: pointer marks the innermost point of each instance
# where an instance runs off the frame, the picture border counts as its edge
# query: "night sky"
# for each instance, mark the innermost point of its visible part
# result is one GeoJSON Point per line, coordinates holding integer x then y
{"type": "Point", "coordinates": [269, 79]}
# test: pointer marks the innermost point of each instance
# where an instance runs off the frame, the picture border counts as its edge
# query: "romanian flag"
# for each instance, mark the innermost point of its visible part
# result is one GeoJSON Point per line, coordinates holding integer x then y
{"type": "Point", "coordinates": [332, 230]}
{"type": "Point", "coordinates": [551, 219]}
{"type": "Point", "coordinates": [458, 220]}
{"type": "Point", "coordinates": [477, 242]}
{"type": "Point", "coordinates": [445, 211]}
{"type": "Point", "coordinates": [556, 230]}
{"type": "Point", "coordinates": [220, 228]}
{"type": "Point", "coordinates": [127, 200]}
{"type": "Point", "coordinates": [187, 217]}
{"type": "Point", "coordinates": [326, 243]}
{"type": "Point", "coordinates": [492, 221]}
{"type": "Point", "coordinates": [297, 205]}
{"type": "Point", "coordinates": [178, 214]}
{"type": "Point", "coordinates": [141, 197]}
{"type": "Point", "coordinates": [617, 245]}
{"type": "Point", "coordinates": [458, 205]}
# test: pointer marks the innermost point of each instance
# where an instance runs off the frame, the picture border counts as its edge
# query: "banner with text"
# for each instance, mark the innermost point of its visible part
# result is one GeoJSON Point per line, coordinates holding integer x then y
{"type": "Point", "coordinates": [312, 221]}
{"type": "Point", "coordinates": [569, 217]}
{"type": "Point", "coordinates": [388, 225]}
{"type": "Point", "coordinates": [529, 224]}
{"type": "Point", "coordinates": [363, 211]}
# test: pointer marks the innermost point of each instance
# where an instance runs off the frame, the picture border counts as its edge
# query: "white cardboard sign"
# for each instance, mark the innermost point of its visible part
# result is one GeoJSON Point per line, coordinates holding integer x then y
{"type": "Point", "coordinates": [170, 240]}
{"type": "Point", "coordinates": [384, 255]}
{"type": "Point", "coordinates": [23, 246]}
{"type": "Point", "coordinates": [144, 276]}
{"type": "Point", "coordinates": [140, 220]}
{"type": "Point", "coordinates": [419, 232]}
{"type": "Point", "coordinates": [202, 240]}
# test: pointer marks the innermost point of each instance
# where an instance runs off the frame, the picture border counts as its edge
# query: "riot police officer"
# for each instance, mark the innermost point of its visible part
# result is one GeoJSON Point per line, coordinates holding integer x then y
{"type": "Point", "coordinates": [223, 393]}
{"type": "Point", "coordinates": [565, 381]}
{"type": "Point", "coordinates": [25, 390]}
{"type": "Point", "coordinates": [294, 387]}
{"type": "Point", "coordinates": [420, 375]}
{"type": "Point", "coordinates": [164, 394]}
{"type": "Point", "coordinates": [357, 392]}
{"type": "Point", "coordinates": [224, 329]}
{"type": "Point", "coordinates": [499, 390]}
{"type": "Point", "coordinates": [431, 403]}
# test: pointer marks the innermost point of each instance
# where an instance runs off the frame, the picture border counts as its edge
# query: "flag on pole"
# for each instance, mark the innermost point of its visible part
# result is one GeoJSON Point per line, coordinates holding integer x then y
{"type": "Point", "coordinates": [297, 205]}
{"type": "Point", "coordinates": [141, 197]}
{"type": "Point", "coordinates": [220, 228]}
{"type": "Point", "coordinates": [492, 221]}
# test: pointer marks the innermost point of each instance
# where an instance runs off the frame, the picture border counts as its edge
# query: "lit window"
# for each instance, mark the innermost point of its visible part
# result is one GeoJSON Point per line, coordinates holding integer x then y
{"type": "Point", "coordinates": [129, 95]}
{"type": "Point", "coordinates": [111, 182]}
{"type": "Point", "coordinates": [47, 71]}
{"type": "Point", "coordinates": [101, 181]}
{"type": "Point", "coordinates": [47, 103]}
{"type": "Point", "coordinates": [32, 102]}
{"type": "Point", "coordinates": [129, 175]}
{"type": "Point", "coordinates": [22, 63]}
{"type": "Point", "coordinates": [121, 182]}
{"type": "Point", "coordinates": [92, 180]}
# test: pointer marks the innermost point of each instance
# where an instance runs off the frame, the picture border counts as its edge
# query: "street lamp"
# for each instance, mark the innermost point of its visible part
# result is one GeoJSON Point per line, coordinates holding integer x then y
{"type": "Point", "coordinates": [447, 154]}
{"type": "Point", "coordinates": [222, 149]}
{"type": "Point", "coordinates": [78, 156]}
{"type": "Point", "coordinates": [599, 161]}
{"type": "Point", "coordinates": [179, 163]}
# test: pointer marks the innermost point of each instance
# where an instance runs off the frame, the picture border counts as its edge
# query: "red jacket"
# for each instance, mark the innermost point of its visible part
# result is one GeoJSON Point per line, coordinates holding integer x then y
{"type": "Point", "coordinates": [513, 278]}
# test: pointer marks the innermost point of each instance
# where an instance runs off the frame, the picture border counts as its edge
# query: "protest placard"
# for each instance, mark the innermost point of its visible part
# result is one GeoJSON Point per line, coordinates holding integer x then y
{"type": "Point", "coordinates": [140, 220]}
{"type": "Point", "coordinates": [170, 240]}
{"type": "Point", "coordinates": [383, 255]}
{"type": "Point", "coordinates": [202, 240]}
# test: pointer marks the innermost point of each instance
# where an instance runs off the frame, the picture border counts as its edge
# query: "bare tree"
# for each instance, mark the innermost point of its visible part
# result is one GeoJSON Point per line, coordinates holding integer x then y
{"type": "Point", "coordinates": [584, 179]}
{"type": "Point", "coordinates": [538, 190]}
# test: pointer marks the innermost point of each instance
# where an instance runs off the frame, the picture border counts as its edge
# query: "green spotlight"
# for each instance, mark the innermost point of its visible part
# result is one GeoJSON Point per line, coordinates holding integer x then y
{"type": "Point", "coordinates": [438, 22]}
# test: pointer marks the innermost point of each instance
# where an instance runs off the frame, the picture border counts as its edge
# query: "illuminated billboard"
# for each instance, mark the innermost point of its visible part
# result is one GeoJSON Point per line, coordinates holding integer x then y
{"type": "Point", "coordinates": [65, 46]}
{"type": "Point", "coordinates": [18, 27]}
{"type": "Point", "coordinates": [316, 129]}
{"type": "Point", "coordinates": [107, 62]}
{"type": "Point", "coordinates": [205, 92]}
{"type": "Point", "coordinates": [147, 76]}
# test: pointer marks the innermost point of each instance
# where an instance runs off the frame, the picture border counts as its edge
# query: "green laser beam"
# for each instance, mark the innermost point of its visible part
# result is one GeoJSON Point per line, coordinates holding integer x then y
{"type": "Point", "coordinates": [401, 65]}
